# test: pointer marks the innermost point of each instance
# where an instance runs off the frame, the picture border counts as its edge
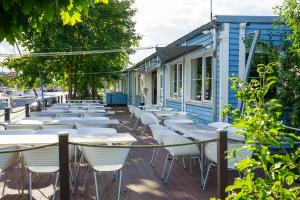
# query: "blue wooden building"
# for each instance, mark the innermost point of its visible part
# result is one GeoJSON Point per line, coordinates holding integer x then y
{"type": "Point", "coordinates": [192, 73]}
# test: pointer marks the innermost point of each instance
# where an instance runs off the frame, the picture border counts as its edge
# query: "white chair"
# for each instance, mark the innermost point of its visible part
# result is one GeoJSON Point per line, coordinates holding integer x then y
{"type": "Point", "coordinates": [43, 160]}
{"type": "Point", "coordinates": [158, 131]}
{"type": "Point", "coordinates": [105, 160]}
{"type": "Point", "coordinates": [219, 125]}
{"type": "Point", "coordinates": [147, 119]}
{"type": "Point", "coordinates": [179, 151]}
{"type": "Point", "coordinates": [6, 161]}
{"type": "Point", "coordinates": [17, 132]}
{"type": "Point", "coordinates": [211, 155]}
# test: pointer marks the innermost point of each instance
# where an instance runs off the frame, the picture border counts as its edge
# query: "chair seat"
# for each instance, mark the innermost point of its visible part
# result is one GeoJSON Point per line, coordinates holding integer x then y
{"type": "Point", "coordinates": [43, 169]}
{"type": "Point", "coordinates": [107, 168]}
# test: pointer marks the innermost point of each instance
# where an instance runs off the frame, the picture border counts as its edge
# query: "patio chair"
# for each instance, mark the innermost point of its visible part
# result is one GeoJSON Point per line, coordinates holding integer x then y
{"type": "Point", "coordinates": [190, 151]}
{"type": "Point", "coordinates": [147, 119]}
{"type": "Point", "coordinates": [211, 155]}
{"type": "Point", "coordinates": [8, 160]}
{"type": "Point", "coordinates": [105, 160]}
{"type": "Point", "coordinates": [219, 125]}
{"type": "Point", "coordinates": [43, 160]}
{"type": "Point", "coordinates": [158, 131]}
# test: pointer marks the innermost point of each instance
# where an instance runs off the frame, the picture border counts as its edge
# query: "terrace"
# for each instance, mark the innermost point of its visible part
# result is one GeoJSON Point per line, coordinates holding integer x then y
{"type": "Point", "coordinates": [141, 180]}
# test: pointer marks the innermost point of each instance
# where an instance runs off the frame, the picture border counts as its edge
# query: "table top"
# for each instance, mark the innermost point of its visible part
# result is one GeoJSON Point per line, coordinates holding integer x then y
{"type": "Point", "coordinates": [201, 132]}
{"type": "Point", "coordinates": [66, 121]}
{"type": "Point", "coordinates": [35, 139]}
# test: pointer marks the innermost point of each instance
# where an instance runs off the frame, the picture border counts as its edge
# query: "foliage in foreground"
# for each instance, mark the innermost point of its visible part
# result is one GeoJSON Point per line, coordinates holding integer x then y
{"type": "Point", "coordinates": [279, 170]}
{"type": "Point", "coordinates": [18, 16]}
{"type": "Point", "coordinates": [108, 26]}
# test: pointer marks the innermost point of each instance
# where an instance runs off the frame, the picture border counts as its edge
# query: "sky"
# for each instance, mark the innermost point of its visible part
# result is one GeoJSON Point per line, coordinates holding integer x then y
{"type": "Point", "coordinates": [161, 22]}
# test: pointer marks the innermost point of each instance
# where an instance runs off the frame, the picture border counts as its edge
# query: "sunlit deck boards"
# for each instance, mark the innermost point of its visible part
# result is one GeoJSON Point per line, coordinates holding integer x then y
{"type": "Point", "coordinates": [141, 180]}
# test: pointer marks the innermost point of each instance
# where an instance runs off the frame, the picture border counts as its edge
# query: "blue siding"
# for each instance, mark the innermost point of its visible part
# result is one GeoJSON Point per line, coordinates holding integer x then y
{"type": "Point", "coordinates": [175, 105]}
{"type": "Point", "coordinates": [199, 39]}
{"type": "Point", "coordinates": [234, 32]}
{"type": "Point", "coordinates": [204, 113]}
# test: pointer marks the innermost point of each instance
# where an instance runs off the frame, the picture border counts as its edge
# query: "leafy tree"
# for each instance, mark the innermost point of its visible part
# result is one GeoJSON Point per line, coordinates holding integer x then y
{"type": "Point", "coordinates": [18, 16]}
{"type": "Point", "coordinates": [106, 26]}
{"type": "Point", "coordinates": [289, 72]}
{"type": "Point", "coordinates": [260, 125]}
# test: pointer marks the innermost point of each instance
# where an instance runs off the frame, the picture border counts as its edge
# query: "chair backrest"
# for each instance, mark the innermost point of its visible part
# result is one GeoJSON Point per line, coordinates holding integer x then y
{"type": "Point", "coordinates": [211, 153]}
{"type": "Point", "coordinates": [42, 114]}
{"type": "Point", "coordinates": [137, 112]}
{"type": "Point", "coordinates": [113, 158]}
{"type": "Point", "coordinates": [220, 125]}
{"type": "Point", "coordinates": [187, 150]}
{"type": "Point", "coordinates": [23, 126]}
{"type": "Point", "coordinates": [7, 159]}
{"type": "Point", "coordinates": [148, 118]}
{"type": "Point", "coordinates": [17, 132]}
{"type": "Point", "coordinates": [96, 131]}
{"type": "Point", "coordinates": [54, 131]}
{"type": "Point", "coordinates": [58, 126]}
{"type": "Point", "coordinates": [158, 131]}
{"type": "Point", "coordinates": [42, 160]}
{"type": "Point", "coordinates": [91, 114]}
{"type": "Point", "coordinates": [68, 114]}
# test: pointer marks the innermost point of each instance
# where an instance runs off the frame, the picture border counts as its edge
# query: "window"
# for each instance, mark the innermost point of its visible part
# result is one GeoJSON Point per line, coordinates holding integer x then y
{"type": "Point", "coordinates": [138, 84]}
{"type": "Point", "coordinates": [201, 78]}
{"type": "Point", "coordinates": [176, 81]}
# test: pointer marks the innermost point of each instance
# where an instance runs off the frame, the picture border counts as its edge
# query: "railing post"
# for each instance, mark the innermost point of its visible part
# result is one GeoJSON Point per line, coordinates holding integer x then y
{"type": "Point", "coordinates": [27, 110]}
{"type": "Point", "coordinates": [64, 165]}
{"type": "Point", "coordinates": [7, 114]}
{"type": "Point", "coordinates": [222, 167]}
{"type": "Point", "coordinates": [62, 98]}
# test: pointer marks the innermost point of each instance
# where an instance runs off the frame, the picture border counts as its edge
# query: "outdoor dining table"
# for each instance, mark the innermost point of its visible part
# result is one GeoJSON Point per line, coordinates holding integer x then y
{"type": "Point", "coordinates": [202, 133]}
{"type": "Point", "coordinates": [66, 121]}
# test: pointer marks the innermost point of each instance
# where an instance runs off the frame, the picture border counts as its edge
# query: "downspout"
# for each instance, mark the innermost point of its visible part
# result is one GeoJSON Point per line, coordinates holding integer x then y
{"type": "Point", "coordinates": [214, 108]}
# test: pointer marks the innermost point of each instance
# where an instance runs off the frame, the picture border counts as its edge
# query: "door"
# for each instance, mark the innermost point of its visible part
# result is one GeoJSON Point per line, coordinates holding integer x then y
{"type": "Point", "coordinates": [154, 87]}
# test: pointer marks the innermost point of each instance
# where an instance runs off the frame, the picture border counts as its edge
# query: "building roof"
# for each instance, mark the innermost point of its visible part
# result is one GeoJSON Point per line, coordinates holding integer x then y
{"type": "Point", "coordinates": [218, 19]}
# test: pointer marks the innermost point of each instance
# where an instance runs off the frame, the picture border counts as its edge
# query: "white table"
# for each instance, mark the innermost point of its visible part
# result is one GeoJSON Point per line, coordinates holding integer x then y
{"type": "Point", "coordinates": [35, 139]}
{"type": "Point", "coordinates": [66, 121]}
{"type": "Point", "coordinates": [202, 133]}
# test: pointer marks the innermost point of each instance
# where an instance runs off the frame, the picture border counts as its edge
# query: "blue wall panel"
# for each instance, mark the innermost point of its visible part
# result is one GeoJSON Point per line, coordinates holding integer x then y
{"type": "Point", "coordinates": [204, 113]}
{"type": "Point", "coordinates": [199, 39]}
{"type": "Point", "coordinates": [175, 105]}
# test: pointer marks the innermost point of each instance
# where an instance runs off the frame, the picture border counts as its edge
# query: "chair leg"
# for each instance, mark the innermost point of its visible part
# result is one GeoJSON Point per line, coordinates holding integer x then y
{"type": "Point", "coordinates": [17, 185]}
{"type": "Point", "coordinates": [3, 185]}
{"type": "Point", "coordinates": [96, 185]}
{"type": "Point", "coordinates": [120, 181]}
{"type": "Point", "coordinates": [206, 176]}
{"type": "Point", "coordinates": [30, 186]}
{"type": "Point", "coordinates": [55, 185]}
{"type": "Point", "coordinates": [183, 161]}
{"type": "Point", "coordinates": [191, 165]}
{"type": "Point", "coordinates": [169, 170]}
{"type": "Point", "coordinates": [153, 154]}
{"type": "Point", "coordinates": [155, 157]}
{"type": "Point", "coordinates": [163, 172]}
{"type": "Point", "coordinates": [85, 181]}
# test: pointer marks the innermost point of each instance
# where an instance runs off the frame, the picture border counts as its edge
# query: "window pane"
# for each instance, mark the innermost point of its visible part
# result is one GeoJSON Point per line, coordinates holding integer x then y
{"type": "Point", "coordinates": [173, 81]}
{"type": "Point", "coordinates": [197, 79]}
{"type": "Point", "coordinates": [208, 79]}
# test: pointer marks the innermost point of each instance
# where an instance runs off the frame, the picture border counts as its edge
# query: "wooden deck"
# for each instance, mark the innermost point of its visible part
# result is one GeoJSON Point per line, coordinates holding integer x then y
{"type": "Point", "coordinates": [141, 180]}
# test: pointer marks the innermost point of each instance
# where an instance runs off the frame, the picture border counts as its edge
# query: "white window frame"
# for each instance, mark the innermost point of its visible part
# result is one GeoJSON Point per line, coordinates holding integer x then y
{"type": "Point", "coordinates": [177, 64]}
{"type": "Point", "coordinates": [203, 88]}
